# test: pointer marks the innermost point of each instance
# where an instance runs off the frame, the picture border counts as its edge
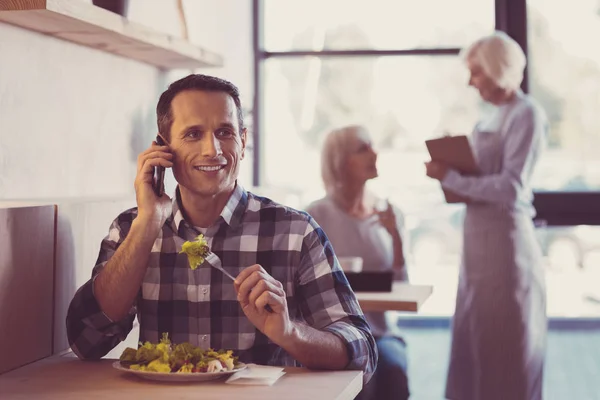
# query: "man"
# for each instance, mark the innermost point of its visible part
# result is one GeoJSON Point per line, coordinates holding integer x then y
{"type": "Point", "coordinates": [281, 258]}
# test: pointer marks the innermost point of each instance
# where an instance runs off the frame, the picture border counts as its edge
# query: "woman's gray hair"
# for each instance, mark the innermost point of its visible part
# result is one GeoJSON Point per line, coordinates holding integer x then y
{"type": "Point", "coordinates": [334, 151]}
{"type": "Point", "coordinates": [501, 58]}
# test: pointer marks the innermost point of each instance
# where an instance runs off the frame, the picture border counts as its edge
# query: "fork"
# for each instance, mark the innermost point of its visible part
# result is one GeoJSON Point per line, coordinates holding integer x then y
{"type": "Point", "coordinates": [215, 262]}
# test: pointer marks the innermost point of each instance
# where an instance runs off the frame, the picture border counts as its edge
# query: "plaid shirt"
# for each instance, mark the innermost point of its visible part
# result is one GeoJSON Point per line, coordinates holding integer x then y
{"type": "Point", "coordinates": [200, 306]}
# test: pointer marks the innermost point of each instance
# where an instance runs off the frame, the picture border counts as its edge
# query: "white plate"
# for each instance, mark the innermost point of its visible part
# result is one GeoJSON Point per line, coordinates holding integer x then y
{"type": "Point", "coordinates": [182, 377]}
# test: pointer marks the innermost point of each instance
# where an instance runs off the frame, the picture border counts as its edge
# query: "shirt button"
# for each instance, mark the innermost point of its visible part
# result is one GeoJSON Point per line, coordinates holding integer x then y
{"type": "Point", "coordinates": [204, 337]}
{"type": "Point", "coordinates": [205, 290]}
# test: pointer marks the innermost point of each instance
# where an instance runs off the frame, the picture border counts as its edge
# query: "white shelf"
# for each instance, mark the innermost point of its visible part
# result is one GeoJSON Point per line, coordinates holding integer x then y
{"type": "Point", "coordinates": [94, 27]}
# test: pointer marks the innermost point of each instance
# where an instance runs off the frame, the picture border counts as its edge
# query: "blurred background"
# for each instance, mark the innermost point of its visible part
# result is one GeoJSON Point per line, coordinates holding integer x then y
{"type": "Point", "coordinates": [393, 66]}
{"type": "Point", "coordinates": [73, 119]}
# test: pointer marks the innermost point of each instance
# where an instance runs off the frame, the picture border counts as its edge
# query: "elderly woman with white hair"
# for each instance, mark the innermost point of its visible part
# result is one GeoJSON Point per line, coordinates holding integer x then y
{"type": "Point", "coordinates": [499, 326]}
{"type": "Point", "coordinates": [357, 227]}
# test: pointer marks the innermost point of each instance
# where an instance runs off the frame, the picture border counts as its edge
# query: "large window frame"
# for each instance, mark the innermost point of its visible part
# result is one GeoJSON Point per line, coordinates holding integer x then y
{"type": "Point", "coordinates": [553, 208]}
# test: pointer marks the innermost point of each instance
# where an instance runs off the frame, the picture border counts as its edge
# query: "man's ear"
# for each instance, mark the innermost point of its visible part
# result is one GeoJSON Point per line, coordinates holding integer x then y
{"type": "Point", "coordinates": [243, 135]}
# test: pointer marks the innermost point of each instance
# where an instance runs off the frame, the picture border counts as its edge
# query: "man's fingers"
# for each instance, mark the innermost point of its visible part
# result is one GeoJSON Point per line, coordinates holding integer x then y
{"type": "Point", "coordinates": [146, 173]}
{"type": "Point", "coordinates": [262, 287]}
{"type": "Point", "coordinates": [248, 284]}
{"type": "Point", "coordinates": [154, 147]}
{"type": "Point", "coordinates": [246, 272]}
{"type": "Point", "coordinates": [277, 303]}
{"type": "Point", "coordinates": [142, 158]}
{"type": "Point", "coordinates": [252, 283]}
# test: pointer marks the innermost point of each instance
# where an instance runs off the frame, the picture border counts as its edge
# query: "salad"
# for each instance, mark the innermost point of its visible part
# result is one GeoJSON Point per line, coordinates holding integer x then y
{"type": "Point", "coordinates": [167, 357]}
{"type": "Point", "coordinates": [196, 251]}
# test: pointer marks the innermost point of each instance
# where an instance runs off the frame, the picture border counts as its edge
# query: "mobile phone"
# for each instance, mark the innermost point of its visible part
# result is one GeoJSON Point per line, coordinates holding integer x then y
{"type": "Point", "coordinates": [159, 173]}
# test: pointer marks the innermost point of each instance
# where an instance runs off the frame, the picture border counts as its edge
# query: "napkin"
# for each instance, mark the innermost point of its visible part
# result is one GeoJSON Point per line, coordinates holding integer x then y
{"type": "Point", "coordinates": [255, 374]}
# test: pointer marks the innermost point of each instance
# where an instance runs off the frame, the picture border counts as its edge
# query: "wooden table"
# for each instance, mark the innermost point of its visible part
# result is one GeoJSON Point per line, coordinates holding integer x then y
{"type": "Point", "coordinates": [67, 378]}
{"type": "Point", "coordinates": [403, 297]}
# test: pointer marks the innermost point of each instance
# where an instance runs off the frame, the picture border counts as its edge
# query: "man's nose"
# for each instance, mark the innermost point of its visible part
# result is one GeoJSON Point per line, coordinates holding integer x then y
{"type": "Point", "coordinates": [211, 146]}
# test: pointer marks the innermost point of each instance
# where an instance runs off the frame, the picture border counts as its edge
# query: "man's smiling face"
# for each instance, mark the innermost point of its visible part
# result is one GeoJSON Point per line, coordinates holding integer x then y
{"type": "Point", "coordinates": [207, 142]}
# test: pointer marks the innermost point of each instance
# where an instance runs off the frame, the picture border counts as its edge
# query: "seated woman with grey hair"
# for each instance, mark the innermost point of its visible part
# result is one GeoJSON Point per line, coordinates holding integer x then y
{"type": "Point", "coordinates": [357, 227]}
{"type": "Point", "coordinates": [499, 326]}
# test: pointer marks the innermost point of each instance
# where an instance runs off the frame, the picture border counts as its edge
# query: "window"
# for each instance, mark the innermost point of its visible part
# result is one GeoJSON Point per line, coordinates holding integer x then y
{"type": "Point", "coordinates": [315, 25]}
{"type": "Point", "coordinates": [393, 67]}
{"type": "Point", "coordinates": [402, 99]}
{"type": "Point", "coordinates": [564, 76]}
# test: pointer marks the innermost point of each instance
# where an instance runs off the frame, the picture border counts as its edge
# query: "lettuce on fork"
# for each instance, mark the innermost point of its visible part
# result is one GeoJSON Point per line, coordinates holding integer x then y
{"type": "Point", "coordinates": [196, 251]}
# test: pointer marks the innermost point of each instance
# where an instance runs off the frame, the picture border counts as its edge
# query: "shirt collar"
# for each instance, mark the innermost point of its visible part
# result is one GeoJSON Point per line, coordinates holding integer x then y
{"type": "Point", "coordinates": [231, 214]}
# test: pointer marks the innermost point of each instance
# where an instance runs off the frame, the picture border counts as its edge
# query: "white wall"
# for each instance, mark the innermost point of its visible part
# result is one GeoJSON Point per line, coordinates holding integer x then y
{"type": "Point", "coordinates": [223, 26]}
{"type": "Point", "coordinates": [73, 119]}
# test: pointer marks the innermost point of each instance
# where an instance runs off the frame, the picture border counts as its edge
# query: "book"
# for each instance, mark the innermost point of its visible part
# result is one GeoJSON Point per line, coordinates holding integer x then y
{"type": "Point", "coordinates": [456, 153]}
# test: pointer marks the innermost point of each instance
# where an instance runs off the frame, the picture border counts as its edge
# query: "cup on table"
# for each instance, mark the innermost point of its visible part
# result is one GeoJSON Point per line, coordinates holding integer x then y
{"type": "Point", "coordinates": [351, 264]}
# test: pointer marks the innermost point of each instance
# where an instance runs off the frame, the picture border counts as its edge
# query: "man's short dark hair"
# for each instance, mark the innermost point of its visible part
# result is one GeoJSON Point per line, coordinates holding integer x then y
{"type": "Point", "coordinates": [164, 113]}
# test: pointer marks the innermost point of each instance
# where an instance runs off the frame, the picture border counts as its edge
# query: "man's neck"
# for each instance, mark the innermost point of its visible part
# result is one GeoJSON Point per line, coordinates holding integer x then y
{"type": "Point", "coordinates": [203, 211]}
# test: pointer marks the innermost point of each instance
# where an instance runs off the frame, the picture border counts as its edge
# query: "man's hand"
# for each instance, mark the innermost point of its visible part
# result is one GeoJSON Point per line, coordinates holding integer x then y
{"type": "Point", "coordinates": [255, 290]}
{"type": "Point", "coordinates": [311, 347]}
{"type": "Point", "coordinates": [152, 208]}
{"type": "Point", "coordinates": [436, 170]}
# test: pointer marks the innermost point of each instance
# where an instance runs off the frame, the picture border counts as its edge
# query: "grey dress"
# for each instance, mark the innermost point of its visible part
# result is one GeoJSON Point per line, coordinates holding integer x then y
{"type": "Point", "coordinates": [499, 326]}
{"type": "Point", "coordinates": [366, 238]}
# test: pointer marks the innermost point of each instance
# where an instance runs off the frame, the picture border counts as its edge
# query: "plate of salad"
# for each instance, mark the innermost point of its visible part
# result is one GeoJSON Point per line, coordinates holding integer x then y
{"type": "Point", "coordinates": [183, 362]}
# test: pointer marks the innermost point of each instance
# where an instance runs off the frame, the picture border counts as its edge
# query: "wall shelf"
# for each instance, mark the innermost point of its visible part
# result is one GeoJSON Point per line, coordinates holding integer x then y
{"type": "Point", "coordinates": [91, 26]}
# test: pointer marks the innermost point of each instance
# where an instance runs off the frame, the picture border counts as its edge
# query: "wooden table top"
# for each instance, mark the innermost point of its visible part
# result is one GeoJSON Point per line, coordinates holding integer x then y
{"type": "Point", "coordinates": [67, 378]}
{"type": "Point", "coordinates": [403, 297]}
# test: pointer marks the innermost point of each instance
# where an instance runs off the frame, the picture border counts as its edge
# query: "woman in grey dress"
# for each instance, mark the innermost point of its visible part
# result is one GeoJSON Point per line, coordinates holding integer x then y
{"type": "Point", "coordinates": [499, 326]}
{"type": "Point", "coordinates": [357, 227]}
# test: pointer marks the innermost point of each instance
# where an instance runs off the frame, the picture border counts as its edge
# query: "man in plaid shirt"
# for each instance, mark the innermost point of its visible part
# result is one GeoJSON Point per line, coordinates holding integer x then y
{"type": "Point", "coordinates": [290, 303]}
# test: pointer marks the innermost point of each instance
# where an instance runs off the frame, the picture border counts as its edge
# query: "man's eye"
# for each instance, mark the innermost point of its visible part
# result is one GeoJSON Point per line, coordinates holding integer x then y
{"type": "Point", "coordinates": [192, 135]}
{"type": "Point", "coordinates": [224, 133]}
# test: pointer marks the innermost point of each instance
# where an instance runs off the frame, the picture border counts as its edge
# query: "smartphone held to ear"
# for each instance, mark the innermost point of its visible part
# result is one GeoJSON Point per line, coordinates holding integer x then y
{"type": "Point", "coordinates": [159, 173]}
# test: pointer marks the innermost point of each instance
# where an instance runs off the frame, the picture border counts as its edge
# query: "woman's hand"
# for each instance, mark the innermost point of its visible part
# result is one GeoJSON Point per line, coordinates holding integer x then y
{"type": "Point", "coordinates": [387, 219]}
{"type": "Point", "coordinates": [436, 170]}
